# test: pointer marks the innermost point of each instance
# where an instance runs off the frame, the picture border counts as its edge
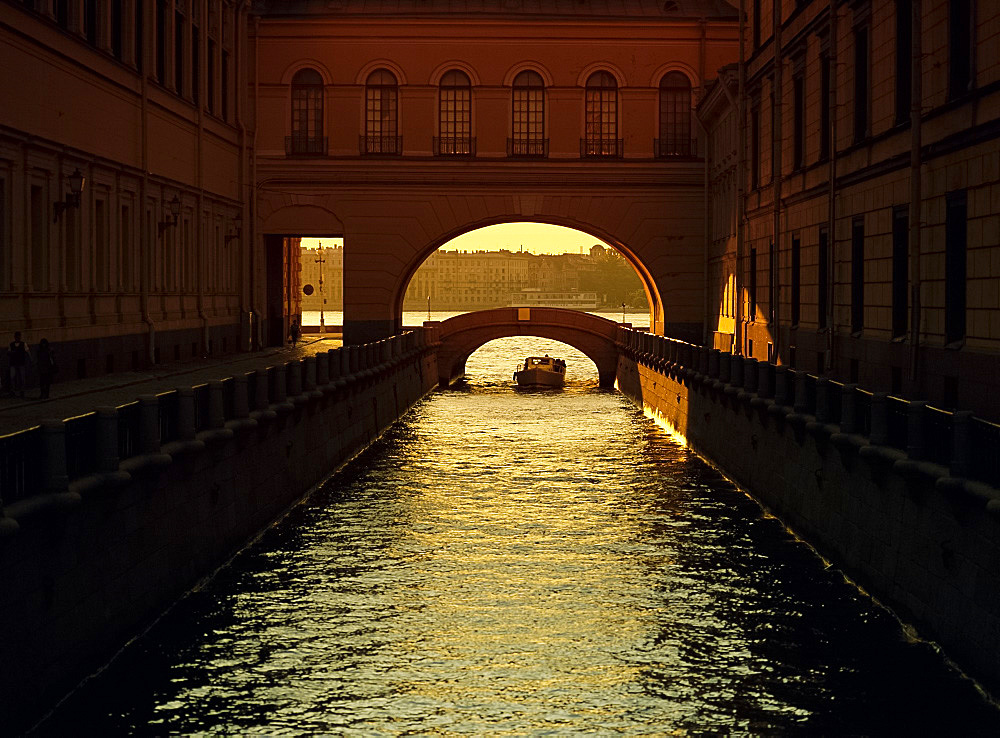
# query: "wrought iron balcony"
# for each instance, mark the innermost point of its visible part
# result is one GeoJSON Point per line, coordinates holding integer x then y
{"type": "Point", "coordinates": [302, 145]}
{"type": "Point", "coordinates": [454, 146]}
{"type": "Point", "coordinates": [536, 148]}
{"type": "Point", "coordinates": [601, 148]}
{"type": "Point", "coordinates": [381, 145]}
{"type": "Point", "coordinates": [675, 148]}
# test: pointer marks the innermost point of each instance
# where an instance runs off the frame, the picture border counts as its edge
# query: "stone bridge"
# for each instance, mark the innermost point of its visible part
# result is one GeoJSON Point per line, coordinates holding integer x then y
{"type": "Point", "coordinates": [460, 336]}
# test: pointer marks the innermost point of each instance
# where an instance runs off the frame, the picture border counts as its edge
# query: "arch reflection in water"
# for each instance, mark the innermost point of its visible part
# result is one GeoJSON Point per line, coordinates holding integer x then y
{"type": "Point", "coordinates": [522, 564]}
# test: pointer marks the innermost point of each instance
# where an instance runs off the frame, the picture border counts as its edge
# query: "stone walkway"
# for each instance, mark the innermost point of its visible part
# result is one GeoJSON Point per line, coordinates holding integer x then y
{"type": "Point", "coordinates": [78, 396]}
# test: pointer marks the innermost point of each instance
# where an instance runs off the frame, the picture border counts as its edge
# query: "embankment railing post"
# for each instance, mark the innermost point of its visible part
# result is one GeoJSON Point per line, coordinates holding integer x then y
{"type": "Point", "coordinates": [107, 439]}
{"type": "Point", "coordinates": [149, 424]}
{"type": "Point", "coordinates": [961, 437]}
{"type": "Point", "coordinates": [880, 419]}
{"type": "Point", "coordinates": [54, 449]}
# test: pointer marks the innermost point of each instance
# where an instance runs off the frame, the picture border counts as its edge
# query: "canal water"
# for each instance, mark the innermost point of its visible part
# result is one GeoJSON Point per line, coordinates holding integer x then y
{"type": "Point", "coordinates": [509, 562]}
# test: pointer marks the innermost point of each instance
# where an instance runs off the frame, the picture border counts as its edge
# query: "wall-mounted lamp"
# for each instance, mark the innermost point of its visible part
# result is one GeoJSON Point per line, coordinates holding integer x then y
{"type": "Point", "coordinates": [237, 228]}
{"type": "Point", "coordinates": [76, 182]}
{"type": "Point", "coordinates": [174, 208]}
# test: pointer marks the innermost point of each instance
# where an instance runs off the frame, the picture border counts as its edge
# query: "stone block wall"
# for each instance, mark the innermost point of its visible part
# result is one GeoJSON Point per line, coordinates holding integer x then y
{"type": "Point", "coordinates": [909, 526]}
{"type": "Point", "coordinates": [87, 564]}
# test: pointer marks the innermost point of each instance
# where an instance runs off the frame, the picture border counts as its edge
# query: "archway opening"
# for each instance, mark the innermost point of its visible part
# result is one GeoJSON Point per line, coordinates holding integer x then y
{"type": "Point", "coordinates": [528, 264]}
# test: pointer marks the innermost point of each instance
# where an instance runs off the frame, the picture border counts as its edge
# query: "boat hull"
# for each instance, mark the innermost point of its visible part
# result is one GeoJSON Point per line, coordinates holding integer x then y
{"type": "Point", "coordinates": [539, 378]}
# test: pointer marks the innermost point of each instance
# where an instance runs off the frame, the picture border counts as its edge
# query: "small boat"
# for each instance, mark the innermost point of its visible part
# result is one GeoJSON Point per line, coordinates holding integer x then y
{"type": "Point", "coordinates": [541, 371]}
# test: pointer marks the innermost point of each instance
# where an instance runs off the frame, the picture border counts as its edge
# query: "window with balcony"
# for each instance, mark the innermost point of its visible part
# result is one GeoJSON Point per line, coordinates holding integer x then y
{"type": "Point", "coordinates": [382, 114]}
{"type": "Point", "coordinates": [675, 117]}
{"type": "Point", "coordinates": [601, 124]}
{"type": "Point", "coordinates": [528, 124]}
{"type": "Point", "coordinates": [455, 116]}
{"type": "Point", "coordinates": [307, 114]}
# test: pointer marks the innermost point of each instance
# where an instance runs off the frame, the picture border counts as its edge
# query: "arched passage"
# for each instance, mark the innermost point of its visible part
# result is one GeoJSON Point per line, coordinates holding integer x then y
{"type": "Point", "coordinates": [591, 335]}
{"type": "Point", "coordinates": [585, 234]}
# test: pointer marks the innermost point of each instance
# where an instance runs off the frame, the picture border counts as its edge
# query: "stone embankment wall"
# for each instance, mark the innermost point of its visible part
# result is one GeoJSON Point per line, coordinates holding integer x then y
{"type": "Point", "coordinates": [900, 496]}
{"type": "Point", "coordinates": [137, 504]}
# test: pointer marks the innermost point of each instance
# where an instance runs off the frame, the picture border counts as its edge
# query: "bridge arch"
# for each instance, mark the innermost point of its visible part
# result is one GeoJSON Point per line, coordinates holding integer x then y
{"type": "Point", "coordinates": [646, 278]}
{"type": "Point", "coordinates": [462, 335]}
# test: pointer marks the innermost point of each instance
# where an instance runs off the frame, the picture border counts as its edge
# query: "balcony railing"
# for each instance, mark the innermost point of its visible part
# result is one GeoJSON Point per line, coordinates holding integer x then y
{"type": "Point", "coordinates": [454, 146]}
{"type": "Point", "coordinates": [380, 145]}
{"type": "Point", "coordinates": [537, 148]}
{"type": "Point", "coordinates": [301, 145]}
{"type": "Point", "coordinates": [601, 148]}
{"type": "Point", "coordinates": [675, 148]}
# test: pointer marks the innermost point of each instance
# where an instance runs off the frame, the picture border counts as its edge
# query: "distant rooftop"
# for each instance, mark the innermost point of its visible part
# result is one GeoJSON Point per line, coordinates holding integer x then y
{"type": "Point", "coordinates": [605, 9]}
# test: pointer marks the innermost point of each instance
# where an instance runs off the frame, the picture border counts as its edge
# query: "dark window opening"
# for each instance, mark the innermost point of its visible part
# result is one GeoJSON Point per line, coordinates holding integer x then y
{"type": "Point", "coordinates": [601, 124]}
{"type": "Point", "coordinates": [307, 114]}
{"type": "Point", "coordinates": [799, 122]}
{"type": "Point", "coordinates": [755, 147]}
{"type": "Point", "coordinates": [528, 111]}
{"type": "Point", "coordinates": [796, 280]}
{"type": "Point", "coordinates": [161, 41]}
{"type": "Point", "coordinates": [904, 61]}
{"type": "Point", "coordinates": [900, 268]}
{"type": "Point", "coordinates": [179, 53]}
{"type": "Point", "coordinates": [675, 116]}
{"type": "Point", "coordinates": [753, 283]}
{"type": "Point", "coordinates": [772, 282]}
{"type": "Point", "coordinates": [195, 64]}
{"type": "Point", "coordinates": [116, 28]}
{"type": "Point", "coordinates": [210, 92]}
{"type": "Point", "coordinates": [225, 85]}
{"type": "Point", "coordinates": [381, 114]}
{"type": "Point", "coordinates": [861, 91]}
{"type": "Point", "coordinates": [857, 275]}
{"type": "Point", "coordinates": [956, 226]}
{"type": "Point", "coordinates": [455, 115]}
{"type": "Point", "coordinates": [90, 21]}
{"type": "Point", "coordinates": [62, 13]}
{"type": "Point", "coordinates": [960, 47]}
{"type": "Point", "coordinates": [823, 278]}
{"type": "Point", "coordinates": [139, 33]}
{"type": "Point", "coordinates": [824, 108]}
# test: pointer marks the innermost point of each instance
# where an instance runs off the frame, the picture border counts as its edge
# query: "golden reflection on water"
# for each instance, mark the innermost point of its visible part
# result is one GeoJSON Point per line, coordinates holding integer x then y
{"type": "Point", "coordinates": [526, 563]}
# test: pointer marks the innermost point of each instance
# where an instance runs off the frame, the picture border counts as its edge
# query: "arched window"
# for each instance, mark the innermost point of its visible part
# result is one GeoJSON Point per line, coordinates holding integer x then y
{"type": "Point", "coordinates": [675, 116]}
{"type": "Point", "coordinates": [455, 116]}
{"type": "Point", "coordinates": [528, 125]}
{"type": "Point", "coordinates": [381, 116]}
{"type": "Point", "coordinates": [601, 134]}
{"type": "Point", "coordinates": [307, 114]}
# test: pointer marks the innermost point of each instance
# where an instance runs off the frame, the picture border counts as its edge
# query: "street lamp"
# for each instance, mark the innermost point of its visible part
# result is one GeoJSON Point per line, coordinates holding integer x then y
{"type": "Point", "coordinates": [623, 312]}
{"type": "Point", "coordinates": [322, 300]}
{"type": "Point", "coordinates": [173, 211]}
{"type": "Point", "coordinates": [76, 182]}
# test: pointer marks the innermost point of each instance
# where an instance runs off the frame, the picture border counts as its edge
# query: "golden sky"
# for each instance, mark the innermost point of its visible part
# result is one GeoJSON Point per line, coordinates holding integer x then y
{"type": "Point", "coordinates": [537, 238]}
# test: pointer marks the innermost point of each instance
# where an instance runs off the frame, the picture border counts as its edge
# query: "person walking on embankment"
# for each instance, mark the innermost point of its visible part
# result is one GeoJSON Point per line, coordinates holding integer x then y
{"type": "Point", "coordinates": [17, 354]}
{"type": "Point", "coordinates": [294, 332]}
{"type": "Point", "coordinates": [46, 365]}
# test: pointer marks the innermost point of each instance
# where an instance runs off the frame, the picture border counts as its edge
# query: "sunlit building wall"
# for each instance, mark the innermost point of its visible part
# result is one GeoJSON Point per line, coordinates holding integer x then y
{"type": "Point", "coordinates": [869, 244]}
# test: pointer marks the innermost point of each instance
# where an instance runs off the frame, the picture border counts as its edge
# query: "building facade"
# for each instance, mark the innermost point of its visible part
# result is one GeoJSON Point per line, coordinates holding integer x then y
{"type": "Point", "coordinates": [859, 154]}
{"type": "Point", "coordinates": [400, 125]}
{"type": "Point", "coordinates": [124, 179]}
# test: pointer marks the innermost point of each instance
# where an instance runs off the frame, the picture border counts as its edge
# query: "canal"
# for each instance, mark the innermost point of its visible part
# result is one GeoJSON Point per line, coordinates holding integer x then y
{"type": "Point", "coordinates": [510, 562]}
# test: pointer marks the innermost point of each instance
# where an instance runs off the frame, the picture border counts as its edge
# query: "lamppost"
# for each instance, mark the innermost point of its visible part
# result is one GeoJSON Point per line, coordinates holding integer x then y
{"type": "Point", "coordinates": [322, 300]}
{"type": "Point", "coordinates": [428, 307]}
{"type": "Point", "coordinates": [623, 312]}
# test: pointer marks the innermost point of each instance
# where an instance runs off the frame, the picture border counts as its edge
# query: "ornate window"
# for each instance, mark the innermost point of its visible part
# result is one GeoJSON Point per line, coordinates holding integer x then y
{"type": "Point", "coordinates": [381, 114]}
{"type": "Point", "coordinates": [601, 132]}
{"type": "Point", "coordinates": [307, 114]}
{"type": "Point", "coordinates": [675, 116]}
{"type": "Point", "coordinates": [528, 124]}
{"type": "Point", "coordinates": [455, 116]}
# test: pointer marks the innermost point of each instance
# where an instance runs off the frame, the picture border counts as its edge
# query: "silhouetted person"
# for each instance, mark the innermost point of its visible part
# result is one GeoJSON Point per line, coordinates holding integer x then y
{"type": "Point", "coordinates": [293, 331]}
{"type": "Point", "coordinates": [46, 364]}
{"type": "Point", "coordinates": [17, 354]}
